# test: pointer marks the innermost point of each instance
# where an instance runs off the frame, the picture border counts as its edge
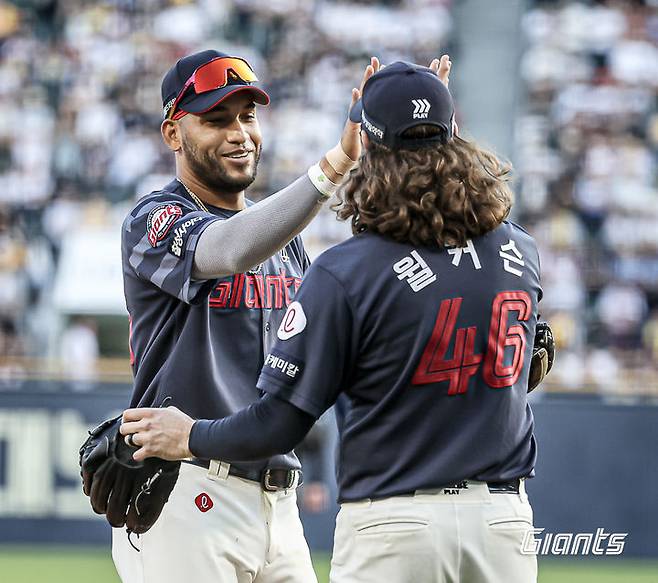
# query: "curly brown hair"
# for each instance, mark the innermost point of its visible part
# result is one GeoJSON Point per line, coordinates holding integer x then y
{"type": "Point", "coordinates": [442, 194]}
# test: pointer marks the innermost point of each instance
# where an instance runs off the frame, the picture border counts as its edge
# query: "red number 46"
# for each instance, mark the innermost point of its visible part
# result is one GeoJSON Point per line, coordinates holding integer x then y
{"type": "Point", "coordinates": [434, 367]}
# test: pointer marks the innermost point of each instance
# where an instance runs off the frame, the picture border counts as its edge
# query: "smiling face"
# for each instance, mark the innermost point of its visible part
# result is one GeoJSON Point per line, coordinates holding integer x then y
{"type": "Point", "coordinates": [221, 148]}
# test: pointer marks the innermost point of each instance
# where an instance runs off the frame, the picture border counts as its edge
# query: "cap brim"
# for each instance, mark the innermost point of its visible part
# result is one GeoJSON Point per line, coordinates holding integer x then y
{"type": "Point", "coordinates": [355, 112]}
{"type": "Point", "coordinates": [200, 103]}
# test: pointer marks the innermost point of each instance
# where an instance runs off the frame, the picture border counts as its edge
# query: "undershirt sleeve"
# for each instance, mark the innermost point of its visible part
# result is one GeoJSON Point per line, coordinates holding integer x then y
{"type": "Point", "coordinates": [254, 234]}
{"type": "Point", "coordinates": [266, 428]}
{"type": "Point", "coordinates": [313, 357]}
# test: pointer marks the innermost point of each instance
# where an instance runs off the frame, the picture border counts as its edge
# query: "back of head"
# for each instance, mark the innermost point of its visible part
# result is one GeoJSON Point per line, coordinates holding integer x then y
{"type": "Point", "coordinates": [416, 181]}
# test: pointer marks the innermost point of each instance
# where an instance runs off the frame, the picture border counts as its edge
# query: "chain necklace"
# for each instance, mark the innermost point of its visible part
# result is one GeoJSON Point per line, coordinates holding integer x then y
{"type": "Point", "coordinates": [203, 207]}
{"type": "Point", "coordinates": [195, 198]}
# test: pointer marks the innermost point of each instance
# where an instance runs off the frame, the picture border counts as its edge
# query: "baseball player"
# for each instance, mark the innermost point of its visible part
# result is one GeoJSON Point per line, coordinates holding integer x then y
{"type": "Point", "coordinates": [425, 321]}
{"type": "Point", "coordinates": [208, 276]}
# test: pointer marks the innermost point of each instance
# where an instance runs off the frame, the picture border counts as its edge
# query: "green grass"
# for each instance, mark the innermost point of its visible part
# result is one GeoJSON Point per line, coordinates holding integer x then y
{"type": "Point", "coordinates": [82, 565]}
{"type": "Point", "coordinates": [321, 564]}
{"type": "Point", "coordinates": [56, 565]}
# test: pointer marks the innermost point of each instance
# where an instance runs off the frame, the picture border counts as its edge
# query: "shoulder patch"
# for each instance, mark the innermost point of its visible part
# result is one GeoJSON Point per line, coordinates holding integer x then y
{"type": "Point", "coordinates": [160, 220]}
{"type": "Point", "coordinates": [293, 322]}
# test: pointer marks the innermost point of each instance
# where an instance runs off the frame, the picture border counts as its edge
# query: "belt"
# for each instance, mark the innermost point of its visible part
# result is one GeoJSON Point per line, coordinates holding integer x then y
{"type": "Point", "coordinates": [271, 479]}
{"type": "Point", "coordinates": [508, 487]}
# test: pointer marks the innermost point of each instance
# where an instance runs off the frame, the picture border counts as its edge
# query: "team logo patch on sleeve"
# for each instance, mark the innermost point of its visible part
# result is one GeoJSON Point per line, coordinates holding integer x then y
{"type": "Point", "coordinates": [160, 221]}
{"type": "Point", "coordinates": [293, 322]}
{"type": "Point", "coordinates": [282, 367]}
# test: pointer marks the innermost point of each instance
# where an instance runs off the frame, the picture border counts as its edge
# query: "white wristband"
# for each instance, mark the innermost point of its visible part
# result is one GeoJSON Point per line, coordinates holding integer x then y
{"type": "Point", "coordinates": [321, 182]}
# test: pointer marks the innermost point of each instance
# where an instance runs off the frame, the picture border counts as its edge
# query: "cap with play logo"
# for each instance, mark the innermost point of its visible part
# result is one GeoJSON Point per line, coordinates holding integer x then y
{"type": "Point", "coordinates": [401, 96]}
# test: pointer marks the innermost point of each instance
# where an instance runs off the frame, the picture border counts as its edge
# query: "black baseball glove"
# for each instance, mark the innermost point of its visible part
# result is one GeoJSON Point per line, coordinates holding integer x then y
{"type": "Point", "coordinates": [543, 354]}
{"type": "Point", "coordinates": [129, 493]}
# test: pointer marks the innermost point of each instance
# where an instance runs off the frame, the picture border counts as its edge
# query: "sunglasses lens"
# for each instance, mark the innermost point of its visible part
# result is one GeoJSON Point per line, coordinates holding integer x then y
{"type": "Point", "coordinates": [218, 73]}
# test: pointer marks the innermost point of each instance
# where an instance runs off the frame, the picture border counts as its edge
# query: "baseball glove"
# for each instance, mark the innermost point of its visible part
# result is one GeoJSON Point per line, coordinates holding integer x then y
{"type": "Point", "coordinates": [543, 354]}
{"type": "Point", "coordinates": [129, 493]}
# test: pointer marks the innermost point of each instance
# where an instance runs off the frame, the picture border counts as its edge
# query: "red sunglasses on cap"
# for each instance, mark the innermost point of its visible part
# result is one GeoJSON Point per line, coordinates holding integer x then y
{"type": "Point", "coordinates": [212, 75]}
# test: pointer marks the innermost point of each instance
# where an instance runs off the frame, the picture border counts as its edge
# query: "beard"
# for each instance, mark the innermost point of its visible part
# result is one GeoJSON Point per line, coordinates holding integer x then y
{"type": "Point", "coordinates": [212, 172]}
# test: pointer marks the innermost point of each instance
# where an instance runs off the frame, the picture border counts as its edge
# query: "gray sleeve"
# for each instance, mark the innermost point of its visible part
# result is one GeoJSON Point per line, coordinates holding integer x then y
{"type": "Point", "coordinates": [251, 236]}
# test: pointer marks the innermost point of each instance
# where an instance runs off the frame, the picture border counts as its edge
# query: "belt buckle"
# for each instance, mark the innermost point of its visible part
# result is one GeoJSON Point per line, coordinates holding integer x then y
{"type": "Point", "coordinates": [267, 483]}
{"type": "Point", "coordinates": [293, 480]}
{"type": "Point", "coordinates": [509, 487]}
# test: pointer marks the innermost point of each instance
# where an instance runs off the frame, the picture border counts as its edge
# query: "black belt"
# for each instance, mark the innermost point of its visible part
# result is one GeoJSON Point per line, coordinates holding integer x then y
{"type": "Point", "coordinates": [509, 487]}
{"type": "Point", "coordinates": [271, 479]}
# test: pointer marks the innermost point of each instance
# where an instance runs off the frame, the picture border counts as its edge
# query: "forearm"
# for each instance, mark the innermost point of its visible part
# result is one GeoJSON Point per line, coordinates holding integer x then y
{"type": "Point", "coordinates": [251, 236]}
{"type": "Point", "coordinates": [266, 428]}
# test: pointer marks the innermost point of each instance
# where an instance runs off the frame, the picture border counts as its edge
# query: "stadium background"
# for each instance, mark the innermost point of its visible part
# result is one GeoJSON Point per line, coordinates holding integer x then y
{"type": "Point", "coordinates": [567, 90]}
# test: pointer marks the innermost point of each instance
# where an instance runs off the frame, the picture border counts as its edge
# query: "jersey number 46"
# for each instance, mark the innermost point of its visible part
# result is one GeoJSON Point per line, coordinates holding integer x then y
{"type": "Point", "coordinates": [435, 367]}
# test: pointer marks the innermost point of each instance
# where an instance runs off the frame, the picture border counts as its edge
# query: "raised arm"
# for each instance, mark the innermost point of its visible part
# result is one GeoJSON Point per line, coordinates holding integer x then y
{"type": "Point", "coordinates": [253, 235]}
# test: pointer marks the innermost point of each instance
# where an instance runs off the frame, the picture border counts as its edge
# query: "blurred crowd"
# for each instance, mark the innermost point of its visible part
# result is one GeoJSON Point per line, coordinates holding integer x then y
{"type": "Point", "coordinates": [80, 110]}
{"type": "Point", "coordinates": [587, 139]}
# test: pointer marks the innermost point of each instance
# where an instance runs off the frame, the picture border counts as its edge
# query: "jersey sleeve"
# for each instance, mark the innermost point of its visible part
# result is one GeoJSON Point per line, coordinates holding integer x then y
{"type": "Point", "coordinates": [297, 245]}
{"type": "Point", "coordinates": [313, 355]}
{"type": "Point", "coordinates": [307, 262]}
{"type": "Point", "coordinates": [159, 239]}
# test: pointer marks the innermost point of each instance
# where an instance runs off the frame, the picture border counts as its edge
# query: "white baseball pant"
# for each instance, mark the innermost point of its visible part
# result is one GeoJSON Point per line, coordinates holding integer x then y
{"type": "Point", "coordinates": [465, 535]}
{"type": "Point", "coordinates": [218, 530]}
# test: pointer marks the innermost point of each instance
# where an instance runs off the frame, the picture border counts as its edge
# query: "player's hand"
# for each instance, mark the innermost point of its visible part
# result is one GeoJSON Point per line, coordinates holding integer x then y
{"type": "Point", "coordinates": [351, 139]}
{"type": "Point", "coordinates": [163, 433]}
{"type": "Point", "coordinates": [442, 68]}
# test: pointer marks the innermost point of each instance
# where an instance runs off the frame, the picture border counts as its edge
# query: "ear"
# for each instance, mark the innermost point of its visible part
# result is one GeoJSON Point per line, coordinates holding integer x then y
{"type": "Point", "coordinates": [365, 140]}
{"type": "Point", "coordinates": [171, 134]}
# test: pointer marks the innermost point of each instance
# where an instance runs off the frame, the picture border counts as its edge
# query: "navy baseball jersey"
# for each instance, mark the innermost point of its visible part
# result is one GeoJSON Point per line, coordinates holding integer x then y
{"type": "Point", "coordinates": [199, 344]}
{"type": "Point", "coordinates": [430, 346]}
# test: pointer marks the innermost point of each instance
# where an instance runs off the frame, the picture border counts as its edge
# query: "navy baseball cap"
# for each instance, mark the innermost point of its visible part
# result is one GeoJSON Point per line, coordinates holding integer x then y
{"type": "Point", "coordinates": [401, 96]}
{"type": "Point", "coordinates": [192, 102]}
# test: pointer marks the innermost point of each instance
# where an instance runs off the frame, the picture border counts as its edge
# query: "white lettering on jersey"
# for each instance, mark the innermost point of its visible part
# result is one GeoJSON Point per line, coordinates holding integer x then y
{"type": "Point", "coordinates": [415, 270]}
{"type": "Point", "coordinates": [293, 322]}
{"type": "Point", "coordinates": [457, 253]}
{"type": "Point", "coordinates": [508, 258]}
{"type": "Point", "coordinates": [176, 246]}
{"type": "Point", "coordinates": [286, 367]}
